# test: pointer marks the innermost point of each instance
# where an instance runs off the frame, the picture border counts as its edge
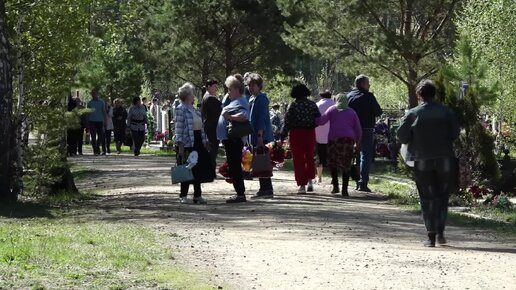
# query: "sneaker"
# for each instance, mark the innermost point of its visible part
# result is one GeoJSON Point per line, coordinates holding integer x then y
{"type": "Point", "coordinates": [310, 187]}
{"type": "Point", "coordinates": [236, 199]}
{"type": "Point", "coordinates": [118, 152]}
{"type": "Point", "coordinates": [183, 200]}
{"type": "Point", "coordinates": [200, 200]}
{"type": "Point", "coordinates": [301, 190]}
{"type": "Point", "coordinates": [104, 153]}
{"type": "Point", "coordinates": [335, 189]}
{"type": "Point", "coordinates": [263, 194]}
{"type": "Point", "coordinates": [319, 180]}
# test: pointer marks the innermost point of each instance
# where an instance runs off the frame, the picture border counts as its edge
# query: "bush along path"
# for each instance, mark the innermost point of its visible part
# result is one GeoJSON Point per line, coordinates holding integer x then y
{"type": "Point", "coordinates": [314, 241]}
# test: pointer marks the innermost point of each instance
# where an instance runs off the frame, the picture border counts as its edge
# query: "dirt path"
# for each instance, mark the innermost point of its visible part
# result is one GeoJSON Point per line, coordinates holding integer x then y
{"type": "Point", "coordinates": [296, 242]}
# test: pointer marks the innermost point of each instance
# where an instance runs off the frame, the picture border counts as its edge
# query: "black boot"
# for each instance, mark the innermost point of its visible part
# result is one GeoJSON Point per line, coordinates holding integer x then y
{"type": "Point", "coordinates": [335, 180]}
{"type": "Point", "coordinates": [345, 183]}
{"type": "Point", "coordinates": [431, 241]}
{"type": "Point", "coordinates": [441, 240]}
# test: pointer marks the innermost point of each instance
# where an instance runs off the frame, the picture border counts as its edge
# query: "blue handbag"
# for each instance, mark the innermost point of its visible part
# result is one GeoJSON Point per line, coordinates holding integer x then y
{"type": "Point", "coordinates": [180, 173]}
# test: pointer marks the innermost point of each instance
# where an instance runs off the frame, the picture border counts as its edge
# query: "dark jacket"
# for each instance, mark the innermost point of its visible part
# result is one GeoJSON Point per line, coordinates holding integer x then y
{"type": "Point", "coordinates": [210, 110]}
{"type": "Point", "coordinates": [301, 114]}
{"type": "Point", "coordinates": [429, 130]}
{"type": "Point", "coordinates": [365, 105]}
{"type": "Point", "coordinates": [119, 118]}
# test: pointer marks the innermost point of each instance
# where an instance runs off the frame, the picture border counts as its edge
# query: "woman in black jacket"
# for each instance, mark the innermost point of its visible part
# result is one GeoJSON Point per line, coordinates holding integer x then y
{"type": "Point", "coordinates": [119, 124]}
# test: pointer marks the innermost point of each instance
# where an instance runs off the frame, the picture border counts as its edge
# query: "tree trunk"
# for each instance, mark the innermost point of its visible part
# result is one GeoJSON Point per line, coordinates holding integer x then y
{"type": "Point", "coordinates": [6, 109]}
{"type": "Point", "coordinates": [17, 183]}
{"type": "Point", "coordinates": [228, 51]}
{"type": "Point", "coordinates": [411, 86]}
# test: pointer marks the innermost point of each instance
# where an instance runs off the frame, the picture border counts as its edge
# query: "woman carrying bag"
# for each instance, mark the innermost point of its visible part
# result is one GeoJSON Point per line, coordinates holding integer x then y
{"type": "Point", "coordinates": [190, 137]}
{"type": "Point", "coordinates": [259, 116]}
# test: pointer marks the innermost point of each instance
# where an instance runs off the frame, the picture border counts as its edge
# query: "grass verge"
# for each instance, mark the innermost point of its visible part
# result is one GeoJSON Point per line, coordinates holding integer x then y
{"type": "Point", "coordinates": [47, 251]}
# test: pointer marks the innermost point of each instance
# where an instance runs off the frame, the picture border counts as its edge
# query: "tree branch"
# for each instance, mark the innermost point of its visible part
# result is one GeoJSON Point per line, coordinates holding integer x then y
{"type": "Point", "coordinates": [445, 19]}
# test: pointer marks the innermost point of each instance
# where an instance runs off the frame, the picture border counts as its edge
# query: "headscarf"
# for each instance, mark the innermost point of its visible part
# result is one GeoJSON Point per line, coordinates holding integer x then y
{"type": "Point", "coordinates": [342, 102]}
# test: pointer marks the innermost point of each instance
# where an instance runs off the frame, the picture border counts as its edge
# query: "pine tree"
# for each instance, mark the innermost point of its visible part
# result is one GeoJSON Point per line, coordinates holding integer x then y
{"type": "Point", "coordinates": [475, 146]}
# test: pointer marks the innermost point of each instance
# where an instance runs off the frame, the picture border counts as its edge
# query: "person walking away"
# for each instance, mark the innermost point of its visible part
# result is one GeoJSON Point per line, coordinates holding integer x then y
{"type": "Point", "coordinates": [190, 137]}
{"type": "Point", "coordinates": [366, 106]}
{"type": "Point", "coordinates": [119, 124]}
{"type": "Point", "coordinates": [83, 120]}
{"type": "Point", "coordinates": [210, 109]}
{"type": "Point", "coordinates": [236, 111]}
{"type": "Point", "coordinates": [276, 121]}
{"type": "Point", "coordinates": [300, 126]}
{"type": "Point", "coordinates": [430, 130]}
{"type": "Point", "coordinates": [71, 137]}
{"type": "Point", "coordinates": [344, 135]}
{"type": "Point", "coordinates": [97, 122]}
{"type": "Point", "coordinates": [136, 120]}
{"type": "Point", "coordinates": [262, 127]}
{"type": "Point", "coordinates": [109, 125]}
{"type": "Point", "coordinates": [321, 134]}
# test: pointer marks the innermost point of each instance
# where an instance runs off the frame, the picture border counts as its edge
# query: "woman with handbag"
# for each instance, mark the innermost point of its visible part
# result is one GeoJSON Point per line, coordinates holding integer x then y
{"type": "Point", "coordinates": [345, 132]}
{"type": "Point", "coordinates": [300, 125]}
{"type": "Point", "coordinates": [259, 116]}
{"type": "Point", "coordinates": [232, 130]}
{"type": "Point", "coordinates": [190, 137]}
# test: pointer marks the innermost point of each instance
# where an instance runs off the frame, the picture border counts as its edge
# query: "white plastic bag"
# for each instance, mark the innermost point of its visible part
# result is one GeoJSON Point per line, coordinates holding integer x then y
{"type": "Point", "coordinates": [406, 155]}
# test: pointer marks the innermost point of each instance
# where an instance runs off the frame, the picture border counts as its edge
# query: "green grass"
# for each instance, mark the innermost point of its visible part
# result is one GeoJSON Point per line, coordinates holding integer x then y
{"type": "Point", "coordinates": [398, 193]}
{"type": "Point", "coordinates": [52, 252]}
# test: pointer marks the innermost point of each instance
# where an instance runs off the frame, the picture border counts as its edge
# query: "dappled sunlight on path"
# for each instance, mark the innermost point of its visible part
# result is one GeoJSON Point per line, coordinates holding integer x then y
{"type": "Point", "coordinates": [293, 242]}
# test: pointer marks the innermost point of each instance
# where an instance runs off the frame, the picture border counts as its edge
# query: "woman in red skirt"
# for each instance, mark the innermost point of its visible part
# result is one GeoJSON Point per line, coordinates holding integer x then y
{"type": "Point", "coordinates": [300, 125]}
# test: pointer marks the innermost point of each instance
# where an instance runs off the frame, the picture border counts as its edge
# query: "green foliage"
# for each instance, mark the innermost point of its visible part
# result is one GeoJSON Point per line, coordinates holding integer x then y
{"type": "Point", "coordinates": [194, 40]}
{"type": "Point", "coordinates": [373, 37]}
{"type": "Point", "coordinates": [48, 38]}
{"type": "Point", "coordinates": [491, 30]}
{"type": "Point", "coordinates": [475, 147]}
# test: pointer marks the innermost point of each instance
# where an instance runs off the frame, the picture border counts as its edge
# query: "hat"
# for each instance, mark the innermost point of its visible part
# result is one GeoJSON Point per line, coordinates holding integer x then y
{"type": "Point", "coordinates": [300, 91]}
{"type": "Point", "coordinates": [326, 94]}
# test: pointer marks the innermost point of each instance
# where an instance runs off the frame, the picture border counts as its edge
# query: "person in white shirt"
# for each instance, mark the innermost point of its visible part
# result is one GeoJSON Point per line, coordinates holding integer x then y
{"type": "Point", "coordinates": [321, 133]}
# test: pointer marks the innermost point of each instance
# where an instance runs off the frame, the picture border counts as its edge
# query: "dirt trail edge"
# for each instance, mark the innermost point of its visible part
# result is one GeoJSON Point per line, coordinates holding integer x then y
{"type": "Point", "coordinates": [315, 241]}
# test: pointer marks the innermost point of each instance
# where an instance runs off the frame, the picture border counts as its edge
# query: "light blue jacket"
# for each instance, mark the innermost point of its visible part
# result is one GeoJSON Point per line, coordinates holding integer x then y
{"type": "Point", "coordinates": [184, 126]}
{"type": "Point", "coordinates": [239, 105]}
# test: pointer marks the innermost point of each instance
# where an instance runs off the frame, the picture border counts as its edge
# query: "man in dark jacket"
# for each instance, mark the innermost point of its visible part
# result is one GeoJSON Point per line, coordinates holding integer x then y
{"type": "Point", "coordinates": [210, 110]}
{"type": "Point", "coordinates": [429, 130]}
{"type": "Point", "coordinates": [367, 108]}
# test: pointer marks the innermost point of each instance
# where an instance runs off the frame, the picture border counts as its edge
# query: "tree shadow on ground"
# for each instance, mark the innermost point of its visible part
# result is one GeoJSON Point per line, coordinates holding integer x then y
{"type": "Point", "coordinates": [487, 249]}
{"type": "Point", "coordinates": [326, 215]}
{"type": "Point", "coordinates": [26, 209]}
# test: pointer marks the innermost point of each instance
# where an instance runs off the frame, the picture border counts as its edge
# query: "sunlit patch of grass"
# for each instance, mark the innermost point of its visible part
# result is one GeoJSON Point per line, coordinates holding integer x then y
{"type": "Point", "coordinates": [44, 254]}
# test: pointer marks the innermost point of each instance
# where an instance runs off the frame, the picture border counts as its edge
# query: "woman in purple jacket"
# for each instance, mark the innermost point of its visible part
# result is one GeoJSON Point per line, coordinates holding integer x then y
{"type": "Point", "coordinates": [345, 133]}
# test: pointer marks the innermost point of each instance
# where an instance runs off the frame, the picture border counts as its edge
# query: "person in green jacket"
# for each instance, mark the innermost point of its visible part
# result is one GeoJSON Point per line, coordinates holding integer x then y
{"type": "Point", "coordinates": [430, 130]}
